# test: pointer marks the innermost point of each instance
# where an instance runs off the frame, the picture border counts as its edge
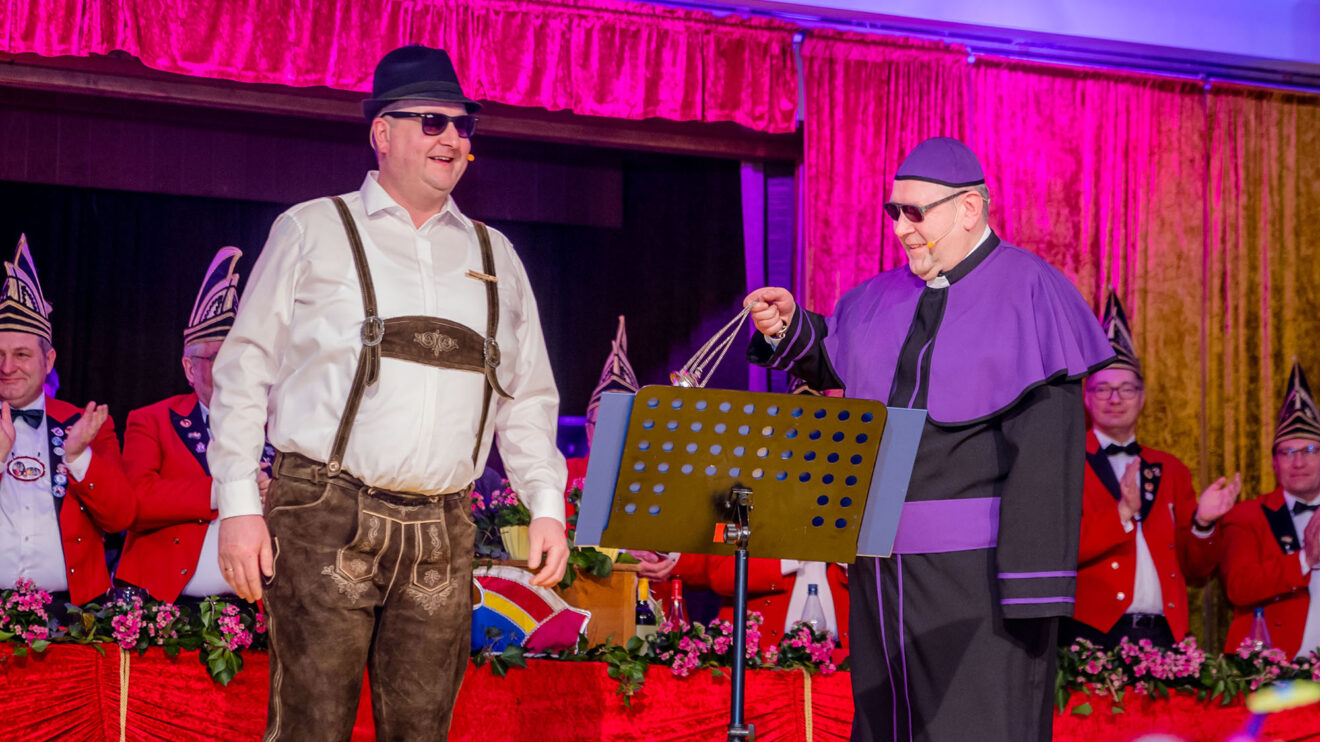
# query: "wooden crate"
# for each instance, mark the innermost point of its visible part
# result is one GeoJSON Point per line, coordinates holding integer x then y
{"type": "Point", "coordinates": [612, 602]}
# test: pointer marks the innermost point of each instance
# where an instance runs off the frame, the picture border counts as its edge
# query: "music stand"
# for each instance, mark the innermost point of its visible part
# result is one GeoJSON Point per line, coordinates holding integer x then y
{"type": "Point", "coordinates": [682, 469]}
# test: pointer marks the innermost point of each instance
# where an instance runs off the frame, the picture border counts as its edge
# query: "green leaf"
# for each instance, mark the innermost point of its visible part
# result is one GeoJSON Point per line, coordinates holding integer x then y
{"type": "Point", "coordinates": [20, 651]}
{"type": "Point", "coordinates": [1116, 710]}
{"type": "Point", "coordinates": [40, 645]}
{"type": "Point", "coordinates": [1082, 710]}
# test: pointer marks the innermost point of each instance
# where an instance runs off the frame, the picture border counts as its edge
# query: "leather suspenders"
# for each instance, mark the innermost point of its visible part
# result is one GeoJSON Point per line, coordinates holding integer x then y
{"type": "Point", "coordinates": [428, 340]}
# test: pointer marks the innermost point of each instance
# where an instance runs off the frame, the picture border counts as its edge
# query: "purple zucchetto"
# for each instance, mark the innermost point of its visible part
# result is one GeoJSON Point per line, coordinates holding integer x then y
{"type": "Point", "coordinates": [942, 160]}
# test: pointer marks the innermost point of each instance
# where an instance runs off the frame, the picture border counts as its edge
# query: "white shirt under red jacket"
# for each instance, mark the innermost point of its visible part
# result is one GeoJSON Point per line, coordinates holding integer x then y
{"type": "Point", "coordinates": [1109, 559]}
{"type": "Point", "coordinates": [54, 514]}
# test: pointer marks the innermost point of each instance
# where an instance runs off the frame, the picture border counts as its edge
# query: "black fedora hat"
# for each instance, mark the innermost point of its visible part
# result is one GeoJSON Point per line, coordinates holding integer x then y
{"type": "Point", "coordinates": [415, 72]}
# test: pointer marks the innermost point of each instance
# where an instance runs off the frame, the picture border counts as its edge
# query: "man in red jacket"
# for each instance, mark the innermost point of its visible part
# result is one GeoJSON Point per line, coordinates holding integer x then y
{"type": "Point", "coordinates": [1273, 545]}
{"type": "Point", "coordinates": [171, 549]}
{"type": "Point", "coordinates": [1144, 530]}
{"type": "Point", "coordinates": [62, 488]}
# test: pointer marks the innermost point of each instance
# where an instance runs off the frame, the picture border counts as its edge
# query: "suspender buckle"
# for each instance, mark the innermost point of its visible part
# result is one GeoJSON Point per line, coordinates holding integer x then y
{"type": "Point", "coordinates": [373, 331]}
{"type": "Point", "coordinates": [491, 350]}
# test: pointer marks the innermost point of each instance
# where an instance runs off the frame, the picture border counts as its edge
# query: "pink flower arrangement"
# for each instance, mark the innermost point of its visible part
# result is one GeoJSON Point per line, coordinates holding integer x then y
{"type": "Point", "coordinates": [232, 632]}
{"type": "Point", "coordinates": [23, 615]}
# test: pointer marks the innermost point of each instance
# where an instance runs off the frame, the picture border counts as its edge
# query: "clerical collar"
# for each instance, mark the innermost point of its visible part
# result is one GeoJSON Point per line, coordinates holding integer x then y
{"type": "Point", "coordinates": [969, 261]}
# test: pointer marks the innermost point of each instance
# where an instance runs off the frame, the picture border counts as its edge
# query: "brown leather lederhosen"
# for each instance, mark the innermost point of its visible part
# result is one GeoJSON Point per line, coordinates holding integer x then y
{"type": "Point", "coordinates": [366, 573]}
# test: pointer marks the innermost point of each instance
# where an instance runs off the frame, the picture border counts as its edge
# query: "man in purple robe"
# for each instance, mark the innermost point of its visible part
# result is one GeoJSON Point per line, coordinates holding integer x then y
{"type": "Point", "coordinates": [953, 637]}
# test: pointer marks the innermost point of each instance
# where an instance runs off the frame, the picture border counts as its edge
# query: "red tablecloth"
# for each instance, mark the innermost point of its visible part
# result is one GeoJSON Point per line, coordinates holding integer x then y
{"type": "Point", "coordinates": [72, 693]}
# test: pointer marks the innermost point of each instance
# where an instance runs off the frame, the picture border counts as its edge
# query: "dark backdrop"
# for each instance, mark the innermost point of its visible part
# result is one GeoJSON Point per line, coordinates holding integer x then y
{"type": "Point", "coordinates": [121, 268]}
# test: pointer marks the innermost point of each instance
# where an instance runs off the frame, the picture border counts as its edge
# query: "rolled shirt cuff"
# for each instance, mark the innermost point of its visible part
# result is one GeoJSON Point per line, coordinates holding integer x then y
{"type": "Point", "coordinates": [233, 499]}
{"type": "Point", "coordinates": [79, 465]}
{"type": "Point", "coordinates": [546, 503]}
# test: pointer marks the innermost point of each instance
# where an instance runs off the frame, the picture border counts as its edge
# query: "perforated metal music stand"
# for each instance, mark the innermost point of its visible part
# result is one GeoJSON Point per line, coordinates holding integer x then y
{"type": "Point", "coordinates": [683, 469]}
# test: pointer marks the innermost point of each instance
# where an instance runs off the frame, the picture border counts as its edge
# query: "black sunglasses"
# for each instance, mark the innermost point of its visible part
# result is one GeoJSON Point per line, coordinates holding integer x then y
{"type": "Point", "coordinates": [434, 124]}
{"type": "Point", "coordinates": [916, 214]}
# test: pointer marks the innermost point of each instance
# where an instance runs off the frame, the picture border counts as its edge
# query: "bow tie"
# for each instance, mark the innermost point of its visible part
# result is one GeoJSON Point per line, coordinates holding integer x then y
{"type": "Point", "coordinates": [31, 417]}
{"type": "Point", "coordinates": [1300, 507]}
{"type": "Point", "coordinates": [1131, 449]}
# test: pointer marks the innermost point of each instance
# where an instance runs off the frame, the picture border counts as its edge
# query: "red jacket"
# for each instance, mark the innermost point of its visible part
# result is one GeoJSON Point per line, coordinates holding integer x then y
{"type": "Point", "coordinates": [1107, 558]}
{"type": "Point", "coordinates": [768, 590]}
{"type": "Point", "coordinates": [173, 496]}
{"type": "Point", "coordinates": [102, 502]}
{"type": "Point", "coordinates": [1261, 567]}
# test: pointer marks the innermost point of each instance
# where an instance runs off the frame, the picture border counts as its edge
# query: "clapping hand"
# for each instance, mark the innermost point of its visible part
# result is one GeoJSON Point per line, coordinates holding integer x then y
{"type": "Point", "coordinates": [1130, 502]}
{"type": "Point", "coordinates": [80, 435]}
{"type": "Point", "coordinates": [1218, 498]}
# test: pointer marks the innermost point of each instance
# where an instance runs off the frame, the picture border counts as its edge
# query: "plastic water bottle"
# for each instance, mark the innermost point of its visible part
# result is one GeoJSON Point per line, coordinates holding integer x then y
{"type": "Point", "coordinates": [1259, 636]}
{"type": "Point", "coordinates": [813, 612]}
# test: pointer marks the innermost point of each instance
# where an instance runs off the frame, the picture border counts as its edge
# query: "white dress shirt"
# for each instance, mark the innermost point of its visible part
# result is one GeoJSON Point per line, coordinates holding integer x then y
{"type": "Point", "coordinates": [30, 543]}
{"type": "Point", "coordinates": [1311, 635]}
{"type": "Point", "coordinates": [1147, 596]}
{"type": "Point", "coordinates": [288, 363]}
{"type": "Point", "coordinates": [206, 579]}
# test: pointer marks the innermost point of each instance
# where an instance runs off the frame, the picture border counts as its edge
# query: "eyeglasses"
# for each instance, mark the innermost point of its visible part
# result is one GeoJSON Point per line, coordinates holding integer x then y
{"type": "Point", "coordinates": [434, 124]}
{"type": "Point", "coordinates": [1124, 391]}
{"type": "Point", "coordinates": [208, 359]}
{"type": "Point", "coordinates": [1303, 452]}
{"type": "Point", "coordinates": [916, 214]}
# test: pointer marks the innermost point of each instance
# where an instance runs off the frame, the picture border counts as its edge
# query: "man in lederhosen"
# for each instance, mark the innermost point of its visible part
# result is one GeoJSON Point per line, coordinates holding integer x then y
{"type": "Point", "coordinates": [385, 337]}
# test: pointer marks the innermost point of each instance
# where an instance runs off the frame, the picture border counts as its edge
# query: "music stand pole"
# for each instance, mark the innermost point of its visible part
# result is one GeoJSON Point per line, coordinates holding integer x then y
{"type": "Point", "coordinates": [739, 532]}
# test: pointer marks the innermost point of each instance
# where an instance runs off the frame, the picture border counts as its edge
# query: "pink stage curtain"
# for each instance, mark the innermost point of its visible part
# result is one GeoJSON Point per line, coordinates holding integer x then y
{"type": "Point", "coordinates": [593, 57]}
{"type": "Point", "coordinates": [1100, 173]}
{"type": "Point", "coordinates": [870, 99]}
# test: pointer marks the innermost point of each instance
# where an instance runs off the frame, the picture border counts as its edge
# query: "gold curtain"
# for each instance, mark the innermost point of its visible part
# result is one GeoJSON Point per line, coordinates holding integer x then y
{"type": "Point", "coordinates": [1261, 293]}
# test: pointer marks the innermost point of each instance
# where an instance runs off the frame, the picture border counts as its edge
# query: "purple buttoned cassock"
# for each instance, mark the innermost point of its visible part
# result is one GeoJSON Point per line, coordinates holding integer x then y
{"type": "Point", "coordinates": [953, 636]}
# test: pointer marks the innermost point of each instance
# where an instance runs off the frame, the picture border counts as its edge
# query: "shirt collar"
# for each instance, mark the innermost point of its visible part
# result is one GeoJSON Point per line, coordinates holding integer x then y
{"type": "Point", "coordinates": [1290, 499]}
{"type": "Point", "coordinates": [206, 412]}
{"type": "Point", "coordinates": [1106, 440]}
{"type": "Point", "coordinates": [376, 200]}
{"type": "Point", "coordinates": [38, 404]}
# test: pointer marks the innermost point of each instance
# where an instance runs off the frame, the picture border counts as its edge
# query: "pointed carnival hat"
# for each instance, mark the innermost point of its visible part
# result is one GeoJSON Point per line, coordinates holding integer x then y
{"type": "Point", "coordinates": [617, 376]}
{"type": "Point", "coordinates": [1115, 324]}
{"type": "Point", "coordinates": [217, 300]}
{"type": "Point", "coordinates": [1298, 417]}
{"type": "Point", "coordinates": [23, 306]}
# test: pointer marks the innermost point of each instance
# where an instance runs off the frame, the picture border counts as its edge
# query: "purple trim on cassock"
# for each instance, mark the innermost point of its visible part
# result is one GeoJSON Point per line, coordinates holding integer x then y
{"type": "Point", "coordinates": [1023, 601]}
{"type": "Point", "coordinates": [902, 649]}
{"type": "Point", "coordinates": [924, 527]}
{"type": "Point", "coordinates": [810, 342]}
{"type": "Point", "coordinates": [884, 645]}
{"type": "Point", "coordinates": [1010, 324]}
{"type": "Point", "coordinates": [786, 344]}
{"type": "Point", "coordinates": [1029, 575]}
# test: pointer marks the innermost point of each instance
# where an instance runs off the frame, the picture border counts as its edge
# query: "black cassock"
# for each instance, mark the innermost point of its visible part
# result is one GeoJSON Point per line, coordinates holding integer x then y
{"type": "Point", "coordinates": [953, 637]}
